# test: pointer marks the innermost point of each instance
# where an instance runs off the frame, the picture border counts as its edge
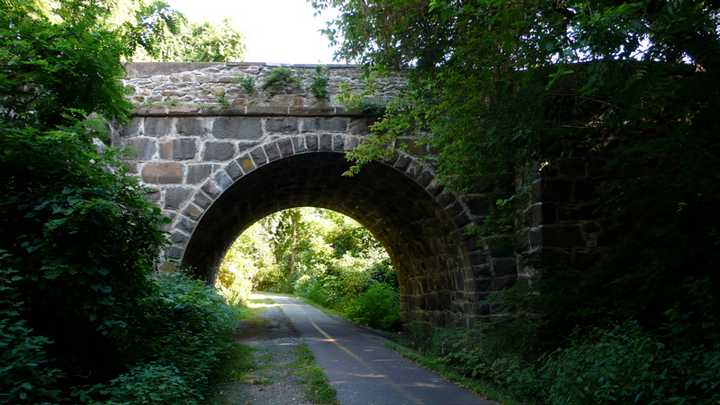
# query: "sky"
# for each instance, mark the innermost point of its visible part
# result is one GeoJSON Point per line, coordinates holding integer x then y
{"type": "Point", "coordinates": [275, 31]}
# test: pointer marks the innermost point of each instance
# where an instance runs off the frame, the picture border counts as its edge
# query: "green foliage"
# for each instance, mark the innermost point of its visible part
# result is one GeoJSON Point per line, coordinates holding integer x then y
{"type": "Point", "coordinates": [57, 70]}
{"type": "Point", "coordinates": [248, 84]}
{"type": "Point", "coordinates": [79, 306]}
{"type": "Point", "coordinates": [279, 78]}
{"type": "Point", "coordinates": [202, 42]}
{"type": "Point", "coordinates": [187, 325]}
{"type": "Point", "coordinates": [150, 384]}
{"type": "Point", "coordinates": [494, 85]}
{"type": "Point", "coordinates": [222, 100]}
{"type": "Point", "coordinates": [318, 87]}
{"type": "Point", "coordinates": [321, 255]}
{"type": "Point", "coordinates": [378, 307]}
{"type": "Point", "coordinates": [27, 375]}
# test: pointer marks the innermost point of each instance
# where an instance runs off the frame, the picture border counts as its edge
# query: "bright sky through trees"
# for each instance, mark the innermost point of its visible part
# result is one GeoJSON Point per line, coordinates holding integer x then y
{"type": "Point", "coordinates": [274, 30]}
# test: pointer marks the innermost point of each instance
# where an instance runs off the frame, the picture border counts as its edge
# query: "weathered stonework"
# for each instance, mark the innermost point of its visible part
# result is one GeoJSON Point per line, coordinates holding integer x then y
{"type": "Point", "coordinates": [216, 168]}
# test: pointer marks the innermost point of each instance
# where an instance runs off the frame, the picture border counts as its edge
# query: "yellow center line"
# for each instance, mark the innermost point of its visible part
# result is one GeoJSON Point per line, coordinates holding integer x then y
{"type": "Point", "coordinates": [349, 352]}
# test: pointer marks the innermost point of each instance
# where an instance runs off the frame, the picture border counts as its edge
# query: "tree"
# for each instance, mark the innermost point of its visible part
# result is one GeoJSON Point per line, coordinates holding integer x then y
{"type": "Point", "coordinates": [203, 43]}
{"type": "Point", "coordinates": [493, 84]}
{"type": "Point", "coordinates": [81, 238]}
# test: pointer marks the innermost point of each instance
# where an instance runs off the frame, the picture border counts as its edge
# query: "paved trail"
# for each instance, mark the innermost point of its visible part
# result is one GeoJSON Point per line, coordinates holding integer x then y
{"type": "Point", "coordinates": [361, 369]}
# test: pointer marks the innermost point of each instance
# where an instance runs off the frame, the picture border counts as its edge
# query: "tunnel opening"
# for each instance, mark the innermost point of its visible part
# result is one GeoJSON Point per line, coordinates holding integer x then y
{"type": "Point", "coordinates": [419, 234]}
{"type": "Point", "coordinates": [318, 254]}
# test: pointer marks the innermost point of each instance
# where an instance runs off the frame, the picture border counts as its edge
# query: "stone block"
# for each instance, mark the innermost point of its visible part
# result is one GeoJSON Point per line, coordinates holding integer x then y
{"type": "Point", "coordinates": [153, 196]}
{"type": "Point", "coordinates": [186, 224]}
{"type": "Point", "coordinates": [223, 180]}
{"type": "Point", "coordinates": [285, 146]}
{"type": "Point", "coordinates": [246, 163]}
{"type": "Point", "coordinates": [334, 124]}
{"type": "Point", "coordinates": [243, 146]}
{"type": "Point", "coordinates": [211, 189]}
{"type": "Point", "coordinates": [258, 156]}
{"type": "Point", "coordinates": [413, 169]}
{"type": "Point", "coordinates": [445, 198]}
{"type": "Point", "coordinates": [196, 174]}
{"type": "Point", "coordinates": [191, 126]}
{"type": "Point", "coordinates": [359, 126]}
{"type": "Point", "coordinates": [178, 237]}
{"type": "Point", "coordinates": [162, 173]}
{"type": "Point", "coordinates": [312, 142]}
{"type": "Point", "coordinates": [175, 197]}
{"type": "Point", "coordinates": [133, 128]}
{"type": "Point", "coordinates": [144, 148]}
{"type": "Point", "coordinates": [272, 151]}
{"type": "Point", "coordinates": [351, 142]}
{"type": "Point", "coordinates": [299, 144]}
{"type": "Point", "coordinates": [402, 162]}
{"type": "Point", "coordinates": [193, 211]}
{"type": "Point", "coordinates": [174, 252]}
{"type": "Point", "coordinates": [541, 214]}
{"type": "Point", "coordinates": [178, 149]}
{"type": "Point", "coordinates": [338, 143]}
{"type": "Point", "coordinates": [202, 200]}
{"type": "Point", "coordinates": [281, 125]}
{"type": "Point", "coordinates": [425, 178]}
{"type": "Point", "coordinates": [247, 128]}
{"type": "Point", "coordinates": [218, 151]}
{"type": "Point", "coordinates": [233, 170]}
{"type": "Point", "coordinates": [325, 143]}
{"type": "Point", "coordinates": [435, 188]}
{"type": "Point", "coordinates": [158, 126]}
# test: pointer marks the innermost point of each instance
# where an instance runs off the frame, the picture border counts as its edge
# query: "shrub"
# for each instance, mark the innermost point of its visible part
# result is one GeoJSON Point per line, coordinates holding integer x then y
{"type": "Point", "coordinates": [152, 383]}
{"type": "Point", "coordinates": [279, 78]}
{"type": "Point", "coordinates": [378, 307]}
{"type": "Point", "coordinates": [319, 85]}
{"type": "Point", "coordinates": [186, 324]}
{"type": "Point", "coordinates": [628, 365]}
{"type": "Point", "coordinates": [247, 83]}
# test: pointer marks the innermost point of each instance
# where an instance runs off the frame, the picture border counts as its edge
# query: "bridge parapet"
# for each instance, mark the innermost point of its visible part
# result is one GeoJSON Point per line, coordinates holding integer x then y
{"type": "Point", "coordinates": [247, 88]}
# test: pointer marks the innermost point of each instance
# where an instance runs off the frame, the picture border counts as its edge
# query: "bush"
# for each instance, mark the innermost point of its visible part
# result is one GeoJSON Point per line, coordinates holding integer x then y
{"type": "Point", "coordinates": [26, 375]}
{"type": "Point", "coordinates": [186, 324]}
{"type": "Point", "coordinates": [150, 384]}
{"type": "Point", "coordinates": [628, 365]}
{"type": "Point", "coordinates": [378, 307]}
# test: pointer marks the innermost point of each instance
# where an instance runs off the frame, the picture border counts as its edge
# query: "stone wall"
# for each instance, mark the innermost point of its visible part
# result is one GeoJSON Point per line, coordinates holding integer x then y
{"type": "Point", "coordinates": [192, 88]}
{"type": "Point", "coordinates": [560, 225]}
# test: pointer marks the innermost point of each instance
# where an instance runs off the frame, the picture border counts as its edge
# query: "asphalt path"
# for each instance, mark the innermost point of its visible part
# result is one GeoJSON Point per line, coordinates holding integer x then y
{"type": "Point", "coordinates": [361, 368]}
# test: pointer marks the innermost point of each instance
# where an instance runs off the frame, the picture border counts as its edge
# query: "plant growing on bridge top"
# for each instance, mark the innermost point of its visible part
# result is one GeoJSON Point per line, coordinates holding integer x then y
{"type": "Point", "coordinates": [319, 85]}
{"type": "Point", "coordinates": [247, 82]}
{"type": "Point", "coordinates": [279, 78]}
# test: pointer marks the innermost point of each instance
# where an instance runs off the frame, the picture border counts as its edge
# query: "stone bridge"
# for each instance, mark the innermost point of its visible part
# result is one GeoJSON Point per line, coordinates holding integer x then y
{"type": "Point", "coordinates": [221, 154]}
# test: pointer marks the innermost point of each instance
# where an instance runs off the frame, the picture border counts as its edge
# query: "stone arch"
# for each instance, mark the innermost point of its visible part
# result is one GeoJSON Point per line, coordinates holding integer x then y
{"type": "Point", "coordinates": [442, 272]}
{"type": "Point", "coordinates": [204, 161]}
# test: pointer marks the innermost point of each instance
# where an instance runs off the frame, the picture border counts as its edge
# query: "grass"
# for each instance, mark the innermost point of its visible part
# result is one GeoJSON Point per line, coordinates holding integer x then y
{"type": "Point", "coordinates": [317, 387]}
{"type": "Point", "coordinates": [433, 363]}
